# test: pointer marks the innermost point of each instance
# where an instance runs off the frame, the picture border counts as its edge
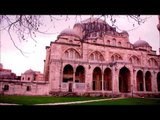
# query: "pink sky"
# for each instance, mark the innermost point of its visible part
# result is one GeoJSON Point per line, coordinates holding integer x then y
{"type": "Point", "coordinates": [12, 59]}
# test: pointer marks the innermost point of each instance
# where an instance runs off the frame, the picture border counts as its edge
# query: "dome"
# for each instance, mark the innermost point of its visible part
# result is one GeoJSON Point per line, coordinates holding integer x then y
{"type": "Point", "coordinates": [158, 27]}
{"type": "Point", "coordinates": [69, 32]}
{"type": "Point", "coordinates": [141, 43]}
{"type": "Point", "coordinates": [1, 66]}
{"type": "Point", "coordinates": [30, 71]}
{"type": "Point", "coordinates": [125, 32]}
{"type": "Point", "coordinates": [93, 19]}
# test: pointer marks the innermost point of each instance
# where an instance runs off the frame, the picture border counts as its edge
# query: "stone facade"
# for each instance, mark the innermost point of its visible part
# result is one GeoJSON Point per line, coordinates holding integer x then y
{"type": "Point", "coordinates": [18, 87]}
{"type": "Point", "coordinates": [6, 73]}
{"type": "Point", "coordinates": [94, 58]}
{"type": "Point", "coordinates": [31, 75]}
{"type": "Point", "coordinates": [31, 83]}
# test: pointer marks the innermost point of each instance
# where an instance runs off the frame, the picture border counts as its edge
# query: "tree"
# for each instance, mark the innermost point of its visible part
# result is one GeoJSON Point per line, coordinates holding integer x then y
{"type": "Point", "coordinates": [29, 25]}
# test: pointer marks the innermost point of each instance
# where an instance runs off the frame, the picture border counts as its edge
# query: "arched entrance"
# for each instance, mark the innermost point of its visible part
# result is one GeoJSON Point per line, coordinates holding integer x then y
{"type": "Point", "coordinates": [107, 79]}
{"type": "Point", "coordinates": [68, 73]}
{"type": "Point", "coordinates": [68, 76]}
{"type": "Point", "coordinates": [97, 79]}
{"type": "Point", "coordinates": [140, 81]}
{"type": "Point", "coordinates": [80, 74]}
{"type": "Point", "coordinates": [158, 81]}
{"type": "Point", "coordinates": [148, 81]}
{"type": "Point", "coordinates": [124, 80]}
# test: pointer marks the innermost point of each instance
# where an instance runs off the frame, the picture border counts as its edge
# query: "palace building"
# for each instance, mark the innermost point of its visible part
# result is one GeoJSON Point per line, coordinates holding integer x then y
{"type": "Point", "coordinates": [95, 59]}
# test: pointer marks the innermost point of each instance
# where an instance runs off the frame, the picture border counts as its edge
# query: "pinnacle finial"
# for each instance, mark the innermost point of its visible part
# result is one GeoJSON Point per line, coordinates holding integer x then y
{"type": "Point", "coordinates": [139, 38]}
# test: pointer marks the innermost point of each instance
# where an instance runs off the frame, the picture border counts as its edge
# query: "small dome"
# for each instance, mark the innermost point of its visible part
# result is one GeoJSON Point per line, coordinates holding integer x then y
{"type": "Point", "coordinates": [93, 19]}
{"type": "Point", "coordinates": [141, 43]}
{"type": "Point", "coordinates": [124, 32]}
{"type": "Point", "coordinates": [69, 32]}
{"type": "Point", "coordinates": [158, 27]}
{"type": "Point", "coordinates": [1, 66]}
{"type": "Point", "coordinates": [30, 71]}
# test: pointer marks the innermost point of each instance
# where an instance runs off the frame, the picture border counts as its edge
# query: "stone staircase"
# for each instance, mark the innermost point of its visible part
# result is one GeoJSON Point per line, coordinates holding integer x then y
{"type": "Point", "coordinates": [126, 95]}
{"type": "Point", "coordinates": [53, 93]}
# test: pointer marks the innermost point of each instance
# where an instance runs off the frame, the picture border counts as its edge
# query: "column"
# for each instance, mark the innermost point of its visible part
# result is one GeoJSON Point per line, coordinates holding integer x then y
{"type": "Point", "coordinates": [61, 75]}
{"type": "Point", "coordinates": [134, 81]}
{"type": "Point", "coordinates": [73, 84]}
{"type": "Point", "coordinates": [113, 74]}
{"type": "Point", "coordinates": [154, 82]}
{"type": "Point", "coordinates": [88, 78]}
{"type": "Point", "coordinates": [144, 81]}
{"type": "Point", "coordinates": [134, 85]}
{"type": "Point", "coordinates": [115, 80]}
{"type": "Point", "coordinates": [102, 80]}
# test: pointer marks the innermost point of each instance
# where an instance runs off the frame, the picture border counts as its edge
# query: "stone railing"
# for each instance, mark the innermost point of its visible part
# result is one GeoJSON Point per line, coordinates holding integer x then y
{"type": "Point", "coordinates": [80, 86]}
{"type": "Point", "coordinates": [64, 86]}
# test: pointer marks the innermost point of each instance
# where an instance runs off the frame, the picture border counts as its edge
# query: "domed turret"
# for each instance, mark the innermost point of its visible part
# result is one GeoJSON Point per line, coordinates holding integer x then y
{"type": "Point", "coordinates": [70, 32]}
{"type": "Point", "coordinates": [1, 66]}
{"type": "Point", "coordinates": [93, 19]}
{"type": "Point", "coordinates": [158, 27]}
{"type": "Point", "coordinates": [125, 32]}
{"type": "Point", "coordinates": [30, 71]}
{"type": "Point", "coordinates": [141, 43]}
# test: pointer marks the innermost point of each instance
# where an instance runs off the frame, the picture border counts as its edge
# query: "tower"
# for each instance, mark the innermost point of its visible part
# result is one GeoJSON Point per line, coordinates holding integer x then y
{"type": "Point", "coordinates": [158, 27]}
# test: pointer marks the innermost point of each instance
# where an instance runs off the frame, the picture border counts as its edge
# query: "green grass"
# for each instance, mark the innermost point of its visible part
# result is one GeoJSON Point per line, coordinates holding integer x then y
{"type": "Point", "coordinates": [30, 100]}
{"type": "Point", "coordinates": [126, 101]}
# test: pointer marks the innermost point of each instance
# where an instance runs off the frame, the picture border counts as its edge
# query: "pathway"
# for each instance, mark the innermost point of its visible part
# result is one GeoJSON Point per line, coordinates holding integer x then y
{"type": "Point", "coordinates": [67, 103]}
{"type": "Point", "coordinates": [77, 102]}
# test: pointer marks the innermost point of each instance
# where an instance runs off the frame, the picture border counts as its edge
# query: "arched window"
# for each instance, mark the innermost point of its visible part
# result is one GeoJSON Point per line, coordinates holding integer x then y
{"type": "Point", "coordinates": [6, 87]}
{"type": "Point", "coordinates": [66, 54]}
{"type": "Point", "coordinates": [134, 60]}
{"type": "Point", "coordinates": [96, 56]}
{"type": "Point", "coordinates": [124, 80]}
{"type": "Point", "coordinates": [140, 82]}
{"type": "Point", "coordinates": [94, 34]}
{"type": "Point", "coordinates": [148, 79]}
{"type": "Point", "coordinates": [68, 73]}
{"type": "Point", "coordinates": [149, 62]}
{"type": "Point", "coordinates": [92, 56]}
{"type": "Point", "coordinates": [71, 54]}
{"type": "Point", "coordinates": [119, 43]}
{"type": "Point", "coordinates": [108, 42]}
{"type": "Point", "coordinates": [114, 41]}
{"type": "Point", "coordinates": [130, 60]}
{"type": "Point", "coordinates": [80, 74]}
{"type": "Point", "coordinates": [107, 76]}
{"type": "Point", "coordinates": [158, 81]}
{"type": "Point", "coordinates": [28, 88]}
{"type": "Point", "coordinates": [152, 62]}
{"type": "Point", "coordinates": [97, 79]}
{"type": "Point", "coordinates": [116, 57]}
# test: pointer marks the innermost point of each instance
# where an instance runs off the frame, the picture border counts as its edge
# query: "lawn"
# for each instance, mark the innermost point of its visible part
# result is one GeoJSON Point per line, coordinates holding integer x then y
{"type": "Point", "coordinates": [30, 100]}
{"type": "Point", "coordinates": [127, 101]}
